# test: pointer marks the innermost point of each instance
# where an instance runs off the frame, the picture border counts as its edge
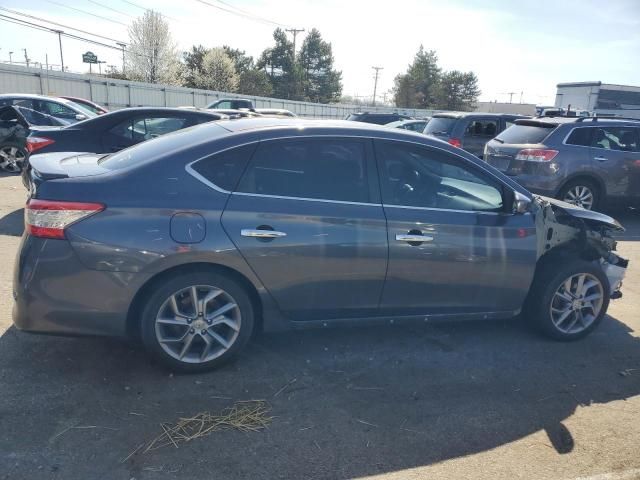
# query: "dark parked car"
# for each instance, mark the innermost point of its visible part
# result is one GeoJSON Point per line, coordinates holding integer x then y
{"type": "Point", "coordinates": [232, 104]}
{"type": "Point", "coordinates": [194, 239]}
{"type": "Point", "coordinates": [63, 111]}
{"type": "Point", "coordinates": [377, 118]}
{"type": "Point", "coordinates": [13, 139]}
{"type": "Point", "coordinates": [116, 130]}
{"type": "Point", "coordinates": [469, 131]}
{"type": "Point", "coordinates": [411, 125]}
{"type": "Point", "coordinates": [94, 107]}
{"type": "Point", "coordinates": [583, 161]}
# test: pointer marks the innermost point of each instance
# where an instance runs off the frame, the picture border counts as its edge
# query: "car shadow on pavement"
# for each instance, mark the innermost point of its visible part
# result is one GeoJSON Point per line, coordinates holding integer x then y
{"type": "Point", "coordinates": [345, 402]}
{"type": "Point", "coordinates": [13, 223]}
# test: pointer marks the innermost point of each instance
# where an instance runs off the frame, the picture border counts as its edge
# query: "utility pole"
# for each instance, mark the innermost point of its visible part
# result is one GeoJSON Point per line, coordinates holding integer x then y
{"type": "Point", "coordinates": [375, 85]}
{"type": "Point", "coordinates": [60, 32]}
{"type": "Point", "coordinates": [10, 59]}
{"type": "Point", "coordinates": [122, 45]}
{"type": "Point", "coordinates": [26, 58]}
{"type": "Point", "coordinates": [511, 94]}
{"type": "Point", "coordinates": [295, 32]}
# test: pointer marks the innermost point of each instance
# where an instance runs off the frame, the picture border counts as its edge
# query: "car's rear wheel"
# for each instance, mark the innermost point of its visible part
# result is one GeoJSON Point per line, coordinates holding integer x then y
{"type": "Point", "coordinates": [567, 303]}
{"type": "Point", "coordinates": [197, 321]}
{"type": "Point", "coordinates": [582, 192]}
{"type": "Point", "coordinates": [12, 158]}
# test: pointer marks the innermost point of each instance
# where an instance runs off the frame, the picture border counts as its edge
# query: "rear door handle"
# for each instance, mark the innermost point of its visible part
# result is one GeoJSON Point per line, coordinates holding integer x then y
{"type": "Point", "coordinates": [247, 232]}
{"type": "Point", "coordinates": [600, 159]}
{"type": "Point", "coordinates": [413, 238]}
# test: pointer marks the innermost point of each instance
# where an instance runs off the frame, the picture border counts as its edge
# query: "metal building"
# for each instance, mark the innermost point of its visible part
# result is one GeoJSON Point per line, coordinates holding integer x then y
{"type": "Point", "coordinates": [600, 98]}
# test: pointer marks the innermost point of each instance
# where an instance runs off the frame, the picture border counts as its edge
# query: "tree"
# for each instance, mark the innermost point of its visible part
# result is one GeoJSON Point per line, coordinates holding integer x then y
{"type": "Point", "coordinates": [152, 55]}
{"type": "Point", "coordinates": [277, 62]}
{"type": "Point", "coordinates": [404, 91]}
{"type": "Point", "coordinates": [255, 82]}
{"type": "Point", "coordinates": [424, 74]}
{"type": "Point", "coordinates": [458, 91]}
{"type": "Point", "coordinates": [242, 62]}
{"type": "Point", "coordinates": [320, 82]}
{"type": "Point", "coordinates": [193, 65]}
{"type": "Point", "coordinates": [218, 72]}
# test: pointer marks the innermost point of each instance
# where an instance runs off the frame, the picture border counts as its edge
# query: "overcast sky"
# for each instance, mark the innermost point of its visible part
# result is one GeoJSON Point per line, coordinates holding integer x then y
{"type": "Point", "coordinates": [524, 46]}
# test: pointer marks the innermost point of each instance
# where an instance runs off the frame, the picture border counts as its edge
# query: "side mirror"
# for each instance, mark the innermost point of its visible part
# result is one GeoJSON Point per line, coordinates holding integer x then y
{"type": "Point", "coordinates": [80, 116]}
{"type": "Point", "coordinates": [521, 204]}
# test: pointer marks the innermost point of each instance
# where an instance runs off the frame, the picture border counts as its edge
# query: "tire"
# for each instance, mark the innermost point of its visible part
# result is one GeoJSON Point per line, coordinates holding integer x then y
{"type": "Point", "coordinates": [12, 157]}
{"type": "Point", "coordinates": [548, 301]}
{"type": "Point", "coordinates": [167, 326]}
{"type": "Point", "coordinates": [585, 188]}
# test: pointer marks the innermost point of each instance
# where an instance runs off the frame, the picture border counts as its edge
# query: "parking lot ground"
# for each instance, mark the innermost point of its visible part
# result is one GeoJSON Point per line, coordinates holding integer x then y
{"type": "Point", "coordinates": [488, 400]}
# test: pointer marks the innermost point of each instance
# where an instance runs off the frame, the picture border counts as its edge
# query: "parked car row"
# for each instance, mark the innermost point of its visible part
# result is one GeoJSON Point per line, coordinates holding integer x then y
{"type": "Point", "coordinates": [582, 160]}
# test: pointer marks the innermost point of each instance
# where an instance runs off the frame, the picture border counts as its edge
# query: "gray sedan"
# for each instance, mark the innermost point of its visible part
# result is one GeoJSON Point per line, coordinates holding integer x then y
{"type": "Point", "coordinates": [193, 240]}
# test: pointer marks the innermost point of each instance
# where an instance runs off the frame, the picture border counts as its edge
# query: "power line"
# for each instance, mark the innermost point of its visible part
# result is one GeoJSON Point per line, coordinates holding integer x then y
{"type": "Point", "coordinates": [86, 13]}
{"type": "Point", "coordinates": [245, 15]}
{"type": "Point", "coordinates": [142, 7]}
{"type": "Point", "coordinates": [109, 8]}
{"type": "Point", "coordinates": [15, 12]}
{"type": "Point", "coordinates": [24, 23]}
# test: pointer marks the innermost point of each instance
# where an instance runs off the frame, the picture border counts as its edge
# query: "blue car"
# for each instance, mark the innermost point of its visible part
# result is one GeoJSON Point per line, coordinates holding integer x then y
{"type": "Point", "coordinates": [195, 239]}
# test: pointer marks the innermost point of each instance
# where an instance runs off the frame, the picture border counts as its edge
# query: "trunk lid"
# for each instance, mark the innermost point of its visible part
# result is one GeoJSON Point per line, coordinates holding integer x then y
{"type": "Point", "coordinates": [48, 166]}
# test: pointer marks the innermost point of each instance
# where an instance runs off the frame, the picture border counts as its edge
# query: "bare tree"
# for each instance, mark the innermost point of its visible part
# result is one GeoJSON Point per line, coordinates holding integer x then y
{"type": "Point", "coordinates": [152, 56]}
{"type": "Point", "coordinates": [218, 72]}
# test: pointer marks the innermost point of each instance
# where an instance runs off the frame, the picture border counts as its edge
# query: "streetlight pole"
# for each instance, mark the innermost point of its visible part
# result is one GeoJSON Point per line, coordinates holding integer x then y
{"type": "Point", "coordinates": [10, 59]}
{"type": "Point", "coordinates": [26, 58]}
{"type": "Point", "coordinates": [60, 32]}
{"type": "Point", "coordinates": [122, 45]}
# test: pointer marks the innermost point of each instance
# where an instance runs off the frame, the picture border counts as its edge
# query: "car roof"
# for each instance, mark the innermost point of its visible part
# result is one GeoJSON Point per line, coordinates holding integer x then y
{"type": "Point", "coordinates": [476, 114]}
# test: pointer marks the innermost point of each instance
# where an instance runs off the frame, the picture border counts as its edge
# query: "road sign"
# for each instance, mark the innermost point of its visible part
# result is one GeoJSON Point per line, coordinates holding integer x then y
{"type": "Point", "coordinates": [89, 57]}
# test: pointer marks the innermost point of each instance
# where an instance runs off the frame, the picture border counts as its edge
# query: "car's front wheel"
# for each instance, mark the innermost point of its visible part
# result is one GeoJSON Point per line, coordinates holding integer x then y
{"type": "Point", "coordinates": [568, 302]}
{"type": "Point", "coordinates": [197, 321]}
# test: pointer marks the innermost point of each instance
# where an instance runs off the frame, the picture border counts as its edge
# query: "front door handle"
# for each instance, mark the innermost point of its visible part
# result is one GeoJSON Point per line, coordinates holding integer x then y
{"type": "Point", "coordinates": [600, 159]}
{"type": "Point", "coordinates": [413, 238]}
{"type": "Point", "coordinates": [247, 232]}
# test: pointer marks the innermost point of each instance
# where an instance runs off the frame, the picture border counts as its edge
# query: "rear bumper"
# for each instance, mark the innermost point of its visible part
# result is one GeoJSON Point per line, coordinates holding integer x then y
{"type": "Point", "coordinates": [54, 293]}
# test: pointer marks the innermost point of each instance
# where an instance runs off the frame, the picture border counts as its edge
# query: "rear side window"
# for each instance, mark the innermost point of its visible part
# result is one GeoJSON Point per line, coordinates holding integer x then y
{"type": "Point", "coordinates": [580, 136]}
{"type": "Point", "coordinates": [440, 126]}
{"type": "Point", "coordinates": [525, 134]}
{"type": "Point", "coordinates": [225, 168]}
{"type": "Point", "coordinates": [330, 169]}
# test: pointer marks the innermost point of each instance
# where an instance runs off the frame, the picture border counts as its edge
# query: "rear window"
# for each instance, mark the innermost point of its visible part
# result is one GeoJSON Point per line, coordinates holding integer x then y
{"type": "Point", "coordinates": [224, 169]}
{"type": "Point", "coordinates": [520, 134]}
{"type": "Point", "coordinates": [440, 126]}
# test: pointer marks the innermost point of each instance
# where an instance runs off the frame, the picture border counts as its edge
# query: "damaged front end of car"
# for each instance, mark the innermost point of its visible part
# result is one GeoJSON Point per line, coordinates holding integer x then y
{"type": "Point", "coordinates": [565, 227]}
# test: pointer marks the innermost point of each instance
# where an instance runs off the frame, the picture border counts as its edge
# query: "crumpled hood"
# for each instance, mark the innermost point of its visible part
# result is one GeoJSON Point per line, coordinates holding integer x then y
{"type": "Point", "coordinates": [588, 216]}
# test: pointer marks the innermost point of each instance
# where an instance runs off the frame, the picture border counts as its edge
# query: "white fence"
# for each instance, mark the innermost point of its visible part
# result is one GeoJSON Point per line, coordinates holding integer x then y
{"type": "Point", "coordinates": [115, 94]}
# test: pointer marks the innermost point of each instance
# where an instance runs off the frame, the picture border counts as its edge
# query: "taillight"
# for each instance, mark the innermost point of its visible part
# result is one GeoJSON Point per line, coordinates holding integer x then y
{"type": "Point", "coordinates": [49, 218]}
{"type": "Point", "coordinates": [536, 155]}
{"type": "Point", "coordinates": [36, 143]}
{"type": "Point", "coordinates": [455, 142]}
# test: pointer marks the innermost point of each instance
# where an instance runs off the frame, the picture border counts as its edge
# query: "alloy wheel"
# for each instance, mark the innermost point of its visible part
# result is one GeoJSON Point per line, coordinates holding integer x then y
{"type": "Point", "coordinates": [580, 195]}
{"type": "Point", "coordinates": [577, 303]}
{"type": "Point", "coordinates": [11, 159]}
{"type": "Point", "coordinates": [198, 323]}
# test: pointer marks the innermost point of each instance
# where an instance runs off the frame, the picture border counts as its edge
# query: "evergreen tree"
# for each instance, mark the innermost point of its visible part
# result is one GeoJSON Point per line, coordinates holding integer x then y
{"type": "Point", "coordinates": [320, 82]}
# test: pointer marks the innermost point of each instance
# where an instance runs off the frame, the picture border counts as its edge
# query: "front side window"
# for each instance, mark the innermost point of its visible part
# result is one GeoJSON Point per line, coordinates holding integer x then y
{"type": "Point", "coordinates": [224, 105]}
{"type": "Point", "coordinates": [616, 138]}
{"type": "Point", "coordinates": [330, 169]}
{"type": "Point", "coordinates": [58, 110]}
{"type": "Point", "coordinates": [424, 177]}
{"type": "Point", "coordinates": [482, 128]}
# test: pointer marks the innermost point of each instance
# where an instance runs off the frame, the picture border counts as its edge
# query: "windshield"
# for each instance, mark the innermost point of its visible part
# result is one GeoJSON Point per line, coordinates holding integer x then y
{"type": "Point", "coordinates": [522, 134]}
{"type": "Point", "coordinates": [440, 126]}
